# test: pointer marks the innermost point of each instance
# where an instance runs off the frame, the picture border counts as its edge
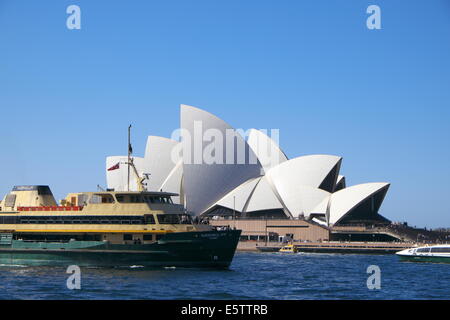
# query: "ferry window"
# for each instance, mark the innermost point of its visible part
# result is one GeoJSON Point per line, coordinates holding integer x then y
{"type": "Point", "coordinates": [156, 199]}
{"type": "Point", "coordinates": [149, 219]}
{"type": "Point", "coordinates": [10, 220]}
{"type": "Point", "coordinates": [82, 199]}
{"type": "Point", "coordinates": [168, 219]}
{"type": "Point", "coordinates": [148, 237]}
{"type": "Point", "coordinates": [130, 198]}
{"type": "Point", "coordinates": [95, 199]}
{"type": "Point", "coordinates": [148, 199]}
{"type": "Point", "coordinates": [136, 199]}
{"type": "Point", "coordinates": [423, 250]}
{"type": "Point", "coordinates": [127, 237]}
{"type": "Point", "coordinates": [101, 198]}
{"type": "Point", "coordinates": [441, 249]}
{"type": "Point", "coordinates": [185, 219]}
{"type": "Point", "coordinates": [107, 198]}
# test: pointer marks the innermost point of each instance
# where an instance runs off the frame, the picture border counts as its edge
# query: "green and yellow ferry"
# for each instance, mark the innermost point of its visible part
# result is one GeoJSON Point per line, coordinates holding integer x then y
{"type": "Point", "coordinates": [107, 228]}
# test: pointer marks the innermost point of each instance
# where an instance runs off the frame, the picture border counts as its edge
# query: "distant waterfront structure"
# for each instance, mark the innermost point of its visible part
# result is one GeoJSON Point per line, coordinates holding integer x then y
{"type": "Point", "coordinates": [308, 188]}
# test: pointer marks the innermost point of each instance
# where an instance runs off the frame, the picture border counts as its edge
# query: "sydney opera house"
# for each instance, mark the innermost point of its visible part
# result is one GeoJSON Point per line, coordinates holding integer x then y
{"type": "Point", "coordinates": [224, 175]}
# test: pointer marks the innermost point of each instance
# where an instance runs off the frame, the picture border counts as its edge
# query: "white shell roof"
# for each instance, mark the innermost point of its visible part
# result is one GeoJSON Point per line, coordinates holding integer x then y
{"type": "Point", "coordinates": [322, 207]}
{"type": "Point", "coordinates": [238, 198]}
{"type": "Point", "coordinates": [158, 160]}
{"type": "Point", "coordinates": [343, 201]}
{"type": "Point", "coordinates": [263, 198]}
{"type": "Point", "coordinates": [268, 152]}
{"type": "Point", "coordinates": [205, 184]}
{"type": "Point", "coordinates": [306, 170]}
{"type": "Point", "coordinates": [301, 200]}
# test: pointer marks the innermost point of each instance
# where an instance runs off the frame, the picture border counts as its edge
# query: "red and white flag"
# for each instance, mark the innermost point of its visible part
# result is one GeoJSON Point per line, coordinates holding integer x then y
{"type": "Point", "coordinates": [115, 167]}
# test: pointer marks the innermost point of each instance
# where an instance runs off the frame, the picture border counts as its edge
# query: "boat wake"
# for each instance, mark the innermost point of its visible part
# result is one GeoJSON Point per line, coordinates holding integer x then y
{"type": "Point", "coordinates": [13, 265]}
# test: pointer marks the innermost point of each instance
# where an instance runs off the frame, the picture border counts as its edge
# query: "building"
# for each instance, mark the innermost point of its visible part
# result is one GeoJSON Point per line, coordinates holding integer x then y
{"type": "Point", "coordinates": [223, 175]}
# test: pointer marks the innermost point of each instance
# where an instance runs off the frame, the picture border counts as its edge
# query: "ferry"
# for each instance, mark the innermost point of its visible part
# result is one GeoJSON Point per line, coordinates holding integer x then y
{"type": "Point", "coordinates": [436, 253]}
{"type": "Point", "coordinates": [290, 248]}
{"type": "Point", "coordinates": [107, 228]}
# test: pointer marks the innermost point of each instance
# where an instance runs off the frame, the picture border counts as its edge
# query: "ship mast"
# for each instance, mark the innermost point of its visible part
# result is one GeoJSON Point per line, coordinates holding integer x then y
{"type": "Point", "coordinates": [130, 150]}
{"type": "Point", "coordinates": [130, 162]}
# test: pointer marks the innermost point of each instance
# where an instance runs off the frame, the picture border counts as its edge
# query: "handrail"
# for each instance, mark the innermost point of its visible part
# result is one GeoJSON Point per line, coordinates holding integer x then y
{"type": "Point", "coordinates": [50, 208]}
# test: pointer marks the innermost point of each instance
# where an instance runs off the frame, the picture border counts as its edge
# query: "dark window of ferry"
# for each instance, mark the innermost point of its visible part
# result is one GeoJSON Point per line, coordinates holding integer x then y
{"type": "Point", "coordinates": [127, 237]}
{"type": "Point", "coordinates": [423, 250]}
{"type": "Point", "coordinates": [168, 219]}
{"type": "Point", "coordinates": [101, 198]}
{"type": "Point", "coordinates": [158, 199]}
{"type": "Point", "coordinates": [107, 198]}
{"type": "Point", "coordinates": [441, 250]}
{"type": "Point", "coordinates": [185, 219]}
{"type": "Point", "coordinates": [149, 219]}
{"type": "Point", "coordinates": [148, 237]}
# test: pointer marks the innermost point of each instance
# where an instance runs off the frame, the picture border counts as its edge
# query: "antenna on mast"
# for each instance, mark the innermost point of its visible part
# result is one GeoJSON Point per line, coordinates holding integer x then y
{"type": "Point", "coordinates": [130, 151]}
{"type": "Point", "coordinates": [130, 163]}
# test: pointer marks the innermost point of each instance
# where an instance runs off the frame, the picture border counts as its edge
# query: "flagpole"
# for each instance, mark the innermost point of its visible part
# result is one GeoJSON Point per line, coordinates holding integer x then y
{"type": "Point", "coordinates": [129, 156]}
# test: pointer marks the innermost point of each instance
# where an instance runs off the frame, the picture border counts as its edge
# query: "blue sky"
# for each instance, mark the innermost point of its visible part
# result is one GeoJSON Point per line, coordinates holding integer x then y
{"type": "Point", "coordinates": [379, 98]}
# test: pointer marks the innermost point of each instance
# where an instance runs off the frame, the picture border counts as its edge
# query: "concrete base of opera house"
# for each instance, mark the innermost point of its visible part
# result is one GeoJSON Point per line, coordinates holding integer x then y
{"type": "Point", "coordinates": [275, 229]}
{"type": "Point", "coordinates": [307, 236]}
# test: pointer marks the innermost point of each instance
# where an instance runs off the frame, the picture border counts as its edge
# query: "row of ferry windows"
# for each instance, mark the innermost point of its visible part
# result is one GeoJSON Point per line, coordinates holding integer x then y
{"type": "Point", "coordinates": [130, 198]}
{"type": "Point", "coordinates": [145, 237]}
{"type": "Point", "coordinates": [146, 219]}
{"type": "Point", "coordinates": [82, 237]}
{"type": "Point", "coordinates": [438, 249]}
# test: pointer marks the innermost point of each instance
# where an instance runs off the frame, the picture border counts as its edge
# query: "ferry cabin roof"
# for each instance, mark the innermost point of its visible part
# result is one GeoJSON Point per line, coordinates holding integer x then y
{"type": "Point", "coordinates": [84, 198]}
{"type": "Point", "coordinates": [40, 198]}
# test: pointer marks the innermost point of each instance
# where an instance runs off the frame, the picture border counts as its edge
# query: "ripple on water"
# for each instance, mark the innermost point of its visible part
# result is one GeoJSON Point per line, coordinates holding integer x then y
{"type": "Point", "coordinates": [251, 276]}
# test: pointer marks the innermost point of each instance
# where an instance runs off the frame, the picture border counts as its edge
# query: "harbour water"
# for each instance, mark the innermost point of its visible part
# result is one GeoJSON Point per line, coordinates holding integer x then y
{"type": "Point", "coordinates": [251, 276]}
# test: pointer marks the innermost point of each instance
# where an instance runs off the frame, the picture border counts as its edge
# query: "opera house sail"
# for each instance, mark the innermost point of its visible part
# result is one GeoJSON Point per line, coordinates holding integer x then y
{"type": "Point", "coordinates": [217, 172]}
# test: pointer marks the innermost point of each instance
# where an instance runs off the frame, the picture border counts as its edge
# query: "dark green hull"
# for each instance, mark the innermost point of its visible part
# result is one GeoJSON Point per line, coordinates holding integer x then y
{"type": "Point", "coordinates": [425, 259]}
{"type": "Point", "coordinates": [211, 249]}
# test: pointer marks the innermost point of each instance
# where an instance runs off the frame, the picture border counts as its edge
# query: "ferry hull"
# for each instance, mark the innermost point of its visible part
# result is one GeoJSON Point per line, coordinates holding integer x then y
{"type": "Point", "coordinates": [209, 249]}
{"type": "Point", "coordinates": [425, 259]}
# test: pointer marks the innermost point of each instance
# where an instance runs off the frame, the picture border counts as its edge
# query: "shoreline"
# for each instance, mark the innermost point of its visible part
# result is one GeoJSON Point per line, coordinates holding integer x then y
{"type": "Point", "coordinates": [328, 247]}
